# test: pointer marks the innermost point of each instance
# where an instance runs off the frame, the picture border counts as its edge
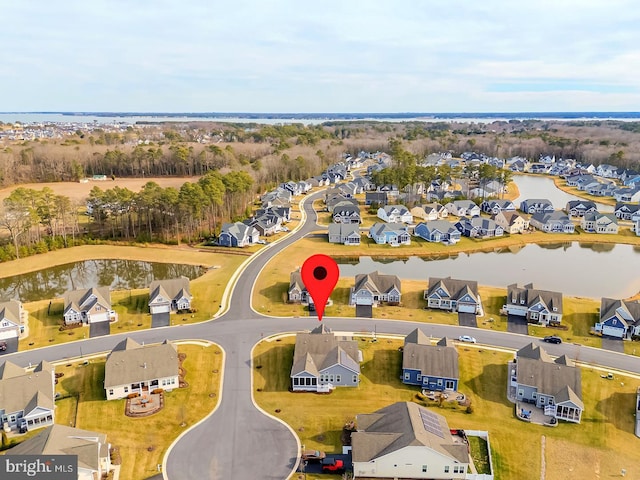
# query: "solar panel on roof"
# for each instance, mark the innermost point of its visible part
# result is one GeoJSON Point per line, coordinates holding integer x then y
{"type": "Point", "coordinates": [431, 423]}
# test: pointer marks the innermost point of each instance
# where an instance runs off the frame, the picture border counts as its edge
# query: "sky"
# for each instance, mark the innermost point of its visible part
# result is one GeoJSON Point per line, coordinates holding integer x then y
{"type": "Point", "coordinates": [331, 56]}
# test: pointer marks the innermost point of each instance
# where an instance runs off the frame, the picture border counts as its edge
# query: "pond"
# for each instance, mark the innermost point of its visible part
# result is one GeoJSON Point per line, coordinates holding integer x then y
{"type": "Point", "coordinates": [543, 187]}
{"type": "Point", "coordinates": [118, 274]}
{"type": "Point", "coordinates": [576, 269]}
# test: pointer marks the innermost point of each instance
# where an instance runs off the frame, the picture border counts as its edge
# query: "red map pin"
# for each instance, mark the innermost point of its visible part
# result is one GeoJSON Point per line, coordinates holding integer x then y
{"type": "Point", "coordinates": [320, 274]}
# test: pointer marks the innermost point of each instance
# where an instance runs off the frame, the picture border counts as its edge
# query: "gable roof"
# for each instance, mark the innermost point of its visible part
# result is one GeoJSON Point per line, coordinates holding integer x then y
{"type": "Point", "coordinates": [510, 216]}
{"type": "Point", "coordinates": [131, 362]}
{"type": "Point", "coordinates": [379, 228]}
{"type": "Point", "coordinates": [626, 311]}
{"type": "Point", "coordinates": [238, 230]}
{"type": "Point", "coordinates": [439, 360]}
{"type": "Point", "coordinates": [551, 300]}
{"type": "Point", "coordinates": [401, 425]}
{"type": "Point", "coordinates": [455, 288]}
{"type": "Point", "coordinates": [11, 311]}
{"type": "Point", "coordinates": [85, 299]}
{"type": "Point", "coordinates": [171, 289]}
{"type": "Point", "coordinates": [320, 349]}
{"type": "Point", "coordinates": [21, 390]}
{"type": "Point", "coordinates": [376, 282]}
{"type": "Point", "coordinates": [295, 282]}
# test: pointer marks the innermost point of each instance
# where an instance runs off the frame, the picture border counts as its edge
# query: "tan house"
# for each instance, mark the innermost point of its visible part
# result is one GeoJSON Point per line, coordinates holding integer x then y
{"type": "Point", "coordinates": [430, 211]}
{"type": "Point", "coordinates": [133, 368]}
{"type": "Point", "coordinates": [511, 221]}
{"type": "Point", "coordinates": [91, 448]}
{"type": "Point", "coordinates": [12, 319]}
{"type": "Point", "coordinates": [405, 440]}
{"type": "Point", "coordinates": [88, 306]}
{"type": "Point", "coordinates": [26, 398]}
{"type": "Point", "coordinates": [595, 222]}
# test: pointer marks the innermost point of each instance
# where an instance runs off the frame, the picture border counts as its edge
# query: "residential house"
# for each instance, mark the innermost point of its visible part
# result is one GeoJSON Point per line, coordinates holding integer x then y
{"type": "Point", "coordinates": [91, 448]}
{"type": "Point", "coordinates": [375, 288]}
{"type": "Point", "coordinates": [90, 305]}
{"type": "Point", "coordinates": [496, 206]}
{"type": "Point", "coordinates": [636, 226]}
{"type": "Point", "coordinates": [578, 208]}
{"type": "Point", "coordinates": [377, 198]}
{"type": "Point", "coordinates": [364, 184]}
{"type": "Point", "coordinates": [511, 222]}
{"type": "Point", "coordinates": [393, 234]}
{"type": "Point", "coordinates": [408, 441]}
{"type": "Point", "coordinates": [619, 318]}
{"type": "Point", "coordinates": [391, 190]}
{"type": "Point", "coordinates": [304, 186]}
{"type": "Point", "coordinates": [543, 307]}
{"type": "Point", "coordinates": [453, 295]}
{"type": "Point", "coordinates": [238, 234]}
{"type": "Point", "coordinates": [12, 319]}
{"type": "Point", "coordinates": [556, 222]}
{"type": "Point", "coordinates": [323, 361]}
{"type": "Point", "coordinates": [293, 187]}
{"type": "Point", "coordinates": [536, 205]}
{"type": "Point", "coordinates": [463, 208]}
{"type": "Point", "coordinates": [169, 296]}
{"type": "Point", "coordinates": [600, 223]}
{"type": "Point", "coordinates": [346, 212]}
{"type": "Point", "coordinates": [266, 224]}
{"type": "Point", "coordinates": [479, 227]}
{"type": "Point", "coordinates": [438, 231]}
{"type": "Point", "coordinates": [133, 368]}
{"type": "Point", "coordinates": [552, 385]}
{"type": "Point", "coordinates": [626, 211]}
{"type": "Point", "coordinates": [395, 214]}
{"type": "Point", "coordinates": [432, 367]}
{"type": "Point", "coordinates": [631, 195]}
{"type": "Point", "coordinates": [334, 200]}
{"type": "Point", "coordinates": [26, 398]}
{"type": "Point", "coordinates": [345, 233]}
{"type": "Point", "coordinates": [284, 212]}
{"type": "Point", "coordinates": [297, 290]}
{"type": "Point", "coordinates": [430, 211]}
{"type": "Point", "coordinates": [318, 181]}
{"type": "Point", "coordinates": [606, 171]}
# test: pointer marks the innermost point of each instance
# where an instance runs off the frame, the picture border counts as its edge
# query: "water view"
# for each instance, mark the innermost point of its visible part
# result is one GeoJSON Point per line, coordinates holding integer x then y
{"type": "Point", "coordinates": [576, 269]}
{"type": "Point", "coordinates": [543, 187]}
{"type": "Point", "coordinates": [118, 274]}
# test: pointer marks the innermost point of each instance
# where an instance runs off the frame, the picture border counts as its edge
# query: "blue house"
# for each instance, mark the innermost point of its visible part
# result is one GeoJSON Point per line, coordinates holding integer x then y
{"type": "Point", "coordinates": [619, 318]}
{"type": "Point", "coordinates": [432, 367]}
{"type": "Point", "coordinates": [438, 231]}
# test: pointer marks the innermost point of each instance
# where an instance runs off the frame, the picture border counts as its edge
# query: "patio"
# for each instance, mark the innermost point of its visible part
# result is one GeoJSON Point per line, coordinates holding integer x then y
{"type": "Point", "coordinates": [144, 405]}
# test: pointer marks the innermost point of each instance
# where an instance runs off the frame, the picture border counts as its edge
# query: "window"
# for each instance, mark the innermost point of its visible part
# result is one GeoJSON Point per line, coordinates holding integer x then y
{"type": "Point", "coordinates": [419, 377]}
{"type": "Point", "coordinates": [355, 379]}
{"type": "Point", "coordinates": [446, 469]}
{"type": "Point", "coordinates": [439, 382]}
{"type": "Point", "coordinates": [331, 377]}
{"type": "Point", "coordinates": [424, 469]}
{"type": "Point", "coordinates": [520, 392]}
{"type": "Point", "coordinates": [111, 391]}
{"type": "Point", "coordinates": [407, 375]}
{"type": "Point", "coordinates": [126, 389]}
{"type": "Point", "coordinates": [295, 381]}
{"type": "Point", "coordinates": [338, 378]}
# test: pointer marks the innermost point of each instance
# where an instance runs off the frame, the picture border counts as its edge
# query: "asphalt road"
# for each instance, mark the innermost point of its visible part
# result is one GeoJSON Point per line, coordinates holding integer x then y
{"type": "Point", "coordinates": [238, 441]}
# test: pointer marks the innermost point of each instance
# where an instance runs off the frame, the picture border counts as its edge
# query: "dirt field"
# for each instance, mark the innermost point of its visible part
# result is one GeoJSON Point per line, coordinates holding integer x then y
{"type": "Point", "coordinates": [77, 191]}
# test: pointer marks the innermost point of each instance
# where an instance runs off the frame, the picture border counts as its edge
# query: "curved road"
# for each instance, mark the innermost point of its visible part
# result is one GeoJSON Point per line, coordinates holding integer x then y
{"type": "Point", "coordinates": [238, 441]}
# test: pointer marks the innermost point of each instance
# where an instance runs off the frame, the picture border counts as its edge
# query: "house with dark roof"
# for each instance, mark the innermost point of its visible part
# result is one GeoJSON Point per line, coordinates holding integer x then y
{"type": "Point", "coordinates": [12, 319]}
{"type": "Point", "coordinates": [552, 385]}
{"type": "Point", "coordinates": [297, 291]}
{"type": "Point", "coordinates": [346, 212]}
{"type": "Point", "coordinates": [379, 198]}
{"type": "Point", "coordinates": [511, 222]}
{"type": "Point", "coordinates": [619, 318]}
{"type": "Point", "coordinates": [495, 206]}
{"type": "Point", "coordinates": [238, 234]}
{"type": "Point", "coordinates": [26, 397]}
{"type": "Point", "coordinates": [90, 305]}
{"type": "Point", "coordinates": [578, 208]}
{"type": "Point", "coordinates": [91, 448]}
{"type": "Point", "coordinates": [344, 233]}
{"type": "Point", "coordinates": [554, 222]}
{"type": "Point", "coordinates": [595, 222]}
{"type": "Point", "coordinates": [432, 367]}
{"type": "Point", "coordinates": [375, 288]}
{"type": "Point", "coordinates": [479, 227]}
{"type": "Point", "coordinates": [407, 441]}
{"type": "Point", "coordinates": [626, 211]}
{"type": "Point", "coordinates": [133, 368]}
{"type": "Point", "coordinates": [536, 205]}
{"type": "Point", "coordinates": [337, 199]}
{"type": "Point", "coordinates": [453, 295]}
{"type": "Point", "coordinates": [323, 361]}
{"type": "Point", "coordinates": [169, 296]}
{"type": "Point", "coordinates": [438, 231]}
{"type": "Point", "coordinates": [537, 306]}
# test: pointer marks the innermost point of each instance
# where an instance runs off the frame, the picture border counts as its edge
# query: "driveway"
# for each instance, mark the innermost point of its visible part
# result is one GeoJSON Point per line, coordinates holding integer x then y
{"type": "Point", "coordinates": [12, 346]}
{"type": "Point", "coordinates": [99, 329]}
{"type": "Point", "coordinates": [364, 311]}
{"type": "Point", "coordinates": [613, 344]}
{"type": "Point", "coordinates": [517, 324]}
{"type": "Point", "coordinates": [160, 319]}
{"type": "Point", "coordinates": [467, 319]}
{"type": "Point", "coordinates": [316, 467]}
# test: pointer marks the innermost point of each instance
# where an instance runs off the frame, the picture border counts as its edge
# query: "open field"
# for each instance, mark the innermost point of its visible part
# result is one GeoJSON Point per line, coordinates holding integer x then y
{"type": "Point", "coordinates": [142, 441]}
{"type": "Point", "coordinates": [599, 444]}
{"type": "Point", "coordinates": [77, 191]}
{"type": "Point", "coordinates": [131, 305]}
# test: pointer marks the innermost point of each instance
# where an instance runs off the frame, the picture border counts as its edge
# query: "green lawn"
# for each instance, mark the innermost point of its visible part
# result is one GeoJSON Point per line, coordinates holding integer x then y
{"type": "Point", "coordinates": [142, 441]}
{"type": "Point", "coordinates": [600, 443]}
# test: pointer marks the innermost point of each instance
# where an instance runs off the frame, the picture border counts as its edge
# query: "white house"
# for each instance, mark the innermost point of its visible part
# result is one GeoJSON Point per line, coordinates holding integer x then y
{"type": "Point", "coordinates": [599, 223]}
{"type": "Point", "coordinates": [88, 306]}
{"type": "Point", "coordinates": [169, 296]}
{"type": "Point", "coordinates": [395, 214]}
{"type": "Point", "coordinates": [12, 317]}
{"type": "Point", "coordinates": [375, 288]}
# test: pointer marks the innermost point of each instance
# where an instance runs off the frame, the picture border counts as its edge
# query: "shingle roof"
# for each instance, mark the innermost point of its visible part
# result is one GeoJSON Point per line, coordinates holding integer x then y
{"type": "Point", "coordinates": [530, 296]}
{"type": "Point", "coordinates": [85, 299]}
{"type": "Point", "coordinates": [131, 362]}
{"type": "Point", "coordinates": [434, 360]}
{"type": "Point", "coordinates": [171, 289]}
{"type": "Point", "coordinates": [455, 288]}
{"type": "Point", "coordinates": [377, 282]}
{"type": "Point", "coordinates": [11, 311]}
{"type": "Point", "coordinates": [321, 349]}
{"type": "Point", "coordinates": [20, 390]}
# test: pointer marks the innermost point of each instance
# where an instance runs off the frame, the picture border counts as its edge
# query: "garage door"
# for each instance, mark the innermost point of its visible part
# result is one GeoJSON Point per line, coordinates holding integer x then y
{"type": "Point", "coordinates": [614, 332]}
{"type": "Point", "coordinates": [466, 308]}
{"type": "Point", "coordinates": [7, 334]}
{"type": "Point", "coordinates": [160, 309]}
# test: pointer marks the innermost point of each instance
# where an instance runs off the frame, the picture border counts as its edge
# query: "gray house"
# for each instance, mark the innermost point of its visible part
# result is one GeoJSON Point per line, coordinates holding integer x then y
{"type": "Point", "coordinates": [578, 208]}
{"type": "Point", "coordinates": [453, 295]}
{"type": "Point", "coordinates": [536, 205]}
{"type": "Point", "coordinates": [90, 305]}
{"type": "Point", "coordinates": [169, 296]}
{"type": "Point", "coordinates": [345, 233]}
{"type": "Point", "coordinates": [479, 227]}
{"type": "Point", "coordinates": [346, 212]}
{"type": "Point", "coordinates": [432, 367]}
{"type": "Point", "coordinates": [537, 306]}
{"type": "Point", "coordinates": [554, 222]}
{"type": "Point", "coordinates": [375, 288]}
{"type": "Point", "coordinates": [438, 231]}
{"type": "Point", "coordinates": [297, 291]}
{"type": "Point", "coordinates": [323, 361]}
{"type": "Point", "coordinates": [12, 319]}
{"type": "Point", "coordinates": [238, 234]}
{"type": "Point", "coordinates": [552, 385]}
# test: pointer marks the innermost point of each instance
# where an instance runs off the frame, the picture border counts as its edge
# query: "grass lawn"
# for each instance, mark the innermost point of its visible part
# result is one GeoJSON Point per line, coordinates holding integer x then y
{"type": "Point", "coordinates": [562, 185]}
{"type": "Point", "coordinates": [142, 441]}
{"type": "Point", "coordinates": [45, 316]}
{"type": "Point", "coordinates": [599, 444]}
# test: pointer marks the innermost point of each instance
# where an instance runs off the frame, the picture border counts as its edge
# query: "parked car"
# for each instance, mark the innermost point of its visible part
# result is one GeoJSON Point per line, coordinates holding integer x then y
{"type": "Point", "coordinates": [332, 465]}
{"type": "Point", "coordinates": [467, 339]}
{"type": "Point", "coordinates": [552, 339]}
{"type": "Point", "coordinates": [313, 455]}
{"type": "Point", "coordinates": [3, 346]}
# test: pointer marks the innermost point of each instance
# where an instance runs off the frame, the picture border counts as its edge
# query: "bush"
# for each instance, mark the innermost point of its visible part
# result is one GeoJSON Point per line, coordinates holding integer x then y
{"type": "Point", "coordinates": [157, 390]}
{"type": "Point", "coordinates": [469, 409]}
{"type": "Point", "coordinates": [133, 395]}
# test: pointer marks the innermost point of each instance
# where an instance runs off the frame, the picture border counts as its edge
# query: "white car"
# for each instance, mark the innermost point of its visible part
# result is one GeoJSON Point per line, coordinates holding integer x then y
{"type": "Point", "coordinates": [467, 339]}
